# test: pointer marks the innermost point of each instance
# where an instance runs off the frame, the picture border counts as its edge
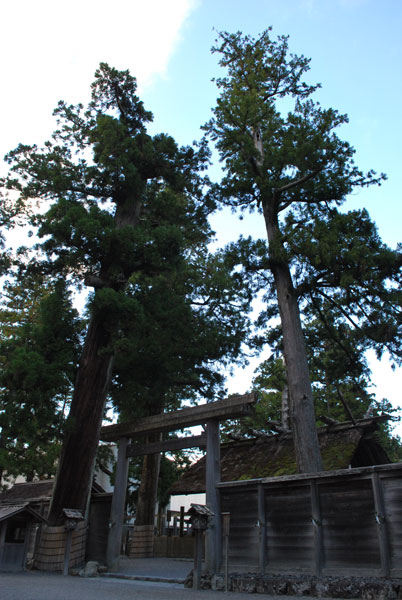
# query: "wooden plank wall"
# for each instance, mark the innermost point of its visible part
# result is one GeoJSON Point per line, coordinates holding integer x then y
{"type": "Point", "coordinates": [244, 532]}
{"type": "Point", "coordinates": [392, 492]}
{"type": "Point", "coordinates": [350, 537]}
{"type": "Point", "coordinates": [345, 523]}
{"type": "Point", "coordinates": [98, 528]}
{"type": "Point", "coordinates": [289, 530]}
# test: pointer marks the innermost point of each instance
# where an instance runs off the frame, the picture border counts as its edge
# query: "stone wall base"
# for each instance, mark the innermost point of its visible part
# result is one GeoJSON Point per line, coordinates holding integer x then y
{"type": "Point", "coordinates": [49, 555]}
{"type": "Point", "coordinates": [142, 542]}
{"type": "Point", "coordinates": [364, 588]}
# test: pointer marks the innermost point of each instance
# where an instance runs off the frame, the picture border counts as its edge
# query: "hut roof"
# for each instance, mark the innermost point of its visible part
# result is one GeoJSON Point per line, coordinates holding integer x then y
{"type": "Point", "coordinates": [341, 446]}
{"type": "Point", "coordinates": [10, 510]}
{"type": "Point", "coordinates": [30, 491]}
{"type": "Point", "coordinates": [34, 491]}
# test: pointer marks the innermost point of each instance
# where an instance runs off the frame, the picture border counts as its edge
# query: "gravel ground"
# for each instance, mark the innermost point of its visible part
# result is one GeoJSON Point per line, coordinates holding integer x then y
{"type": "Point", "coordinates": [43, 586]}
{"type": "Point", "coordinates": [158, 567]}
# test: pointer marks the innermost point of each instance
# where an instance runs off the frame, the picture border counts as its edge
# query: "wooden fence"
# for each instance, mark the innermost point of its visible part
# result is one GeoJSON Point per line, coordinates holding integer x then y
{"type": "Point", "coordinates": [345, 522]}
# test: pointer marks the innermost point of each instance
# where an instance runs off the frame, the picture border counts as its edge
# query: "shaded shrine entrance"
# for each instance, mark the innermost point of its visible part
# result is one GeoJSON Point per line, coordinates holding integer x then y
{"type": "Point", "coordinates": [208, 415]}
{"type": "Point", "coordinates": [16, 535]}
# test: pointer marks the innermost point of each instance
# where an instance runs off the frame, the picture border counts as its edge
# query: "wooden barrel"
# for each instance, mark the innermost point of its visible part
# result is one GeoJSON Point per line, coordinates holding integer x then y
{"type": "Point", "coordinates": [49, 555]}
{"type": "Point", "coordinates": [142, 543]}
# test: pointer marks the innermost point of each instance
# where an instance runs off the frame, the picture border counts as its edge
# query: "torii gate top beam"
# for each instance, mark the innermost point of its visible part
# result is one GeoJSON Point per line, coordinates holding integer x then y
{"type": "Point", "coordinates": [230, 408]}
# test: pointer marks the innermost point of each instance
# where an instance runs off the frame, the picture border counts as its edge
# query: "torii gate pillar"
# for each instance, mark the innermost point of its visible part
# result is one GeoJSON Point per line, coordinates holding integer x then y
{"type": "Point", "coordinates": [117, 508]}
{"type": "Point", "coordinates": [213, 549]}
{"type": "Point", "coordinates": [211, 414]}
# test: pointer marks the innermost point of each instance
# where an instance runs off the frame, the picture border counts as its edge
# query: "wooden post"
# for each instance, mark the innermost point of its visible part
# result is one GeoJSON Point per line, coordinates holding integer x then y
{"type": "Point", "coordinates": [197, 559]}
{"type": "Point", "coordinates": [226, 532]}
{"type": "Point", "coordinates": [3, 529]}
{"type": "Point", "coordinates": [381, 525]}
{"type": "Point", "coordinates": [27, 541]}
{"type": "Point", "coordinates": [117, 508]}
{"type": "Point", "coordinates": [213, 472]}
{"type": "Point", "coordinates": [317, 527]}
{"type": "Point", "coordinates": [181, 529]}
{"type": "Point", "coordinates": [67, 551]}
{"type": "Point", "coordinates": [262, 529]}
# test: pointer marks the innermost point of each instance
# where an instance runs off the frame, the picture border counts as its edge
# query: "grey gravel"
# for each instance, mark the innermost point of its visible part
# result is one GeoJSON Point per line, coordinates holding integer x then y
{"type": "Point", "coordinates": [43, 586]}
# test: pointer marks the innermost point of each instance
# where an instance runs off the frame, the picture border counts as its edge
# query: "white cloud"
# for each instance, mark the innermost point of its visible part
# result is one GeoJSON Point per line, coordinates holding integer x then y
{"type": "Point", "coordinates": [50, 50]}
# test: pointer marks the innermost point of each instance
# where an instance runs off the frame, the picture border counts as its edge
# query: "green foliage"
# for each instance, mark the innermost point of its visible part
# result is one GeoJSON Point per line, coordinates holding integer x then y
{"type": "Point", "coordinates": [331, 378]}
{"type": "Point", "coordinates": [126, 213]}
{"type": "Point", "coordinates": [270, 159]}
{"type": "Point", "coordinates": [39, 345]}
{"type": "Point", "coordinates": [193, 321]}
{"type": "Point", "coordinates": [172, 468]}
{"type": "Point", "coordinates": [282, 156]}
{"type": "Point", "coordinates": [170, 471]}
{"type": "Point", "coordinates": [347, 277]}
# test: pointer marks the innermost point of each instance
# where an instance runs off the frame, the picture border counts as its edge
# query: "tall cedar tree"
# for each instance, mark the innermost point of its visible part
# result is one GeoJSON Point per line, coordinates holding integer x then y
{"type": "Point", "coordinates": [121, 202]}
{"type": "Point", "coordinates": [194, 320]}
{"type": "Point", "coordinates": [286, 167]}
{"type": "Point", "coordinates": [39, 342]}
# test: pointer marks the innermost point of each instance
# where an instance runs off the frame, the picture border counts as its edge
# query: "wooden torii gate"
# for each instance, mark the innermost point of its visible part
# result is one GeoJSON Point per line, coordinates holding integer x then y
{"type": "Point", "coordinates": [207, 414]}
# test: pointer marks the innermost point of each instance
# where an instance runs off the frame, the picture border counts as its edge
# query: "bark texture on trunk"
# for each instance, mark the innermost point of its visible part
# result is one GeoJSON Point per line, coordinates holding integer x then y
{"type": "Point", "coordinates": [147, 492]}
{"type": "Point", "coordinates": [142, 543]}
{"type": "Point", "coordinates": [76, 464]}
{"type": "Point", "coordinates": [302, 414]}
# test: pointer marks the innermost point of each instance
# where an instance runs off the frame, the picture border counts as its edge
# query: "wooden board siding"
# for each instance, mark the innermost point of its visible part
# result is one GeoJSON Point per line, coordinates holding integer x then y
{"type": "Point", "coordinates": [98, 527]}
{"type": "Point", "coordinates": [242, 505]}
{"type": "Point", "coordinates": [349, 525]}
{"type": "Point", "coordinates": [340, 523]}
{"type": "Point", "coordinates": [392, 493]}
{"type": "Point", "coordinates": [289, 528]}
{"type": "Point", "coordinates": [174, 547]}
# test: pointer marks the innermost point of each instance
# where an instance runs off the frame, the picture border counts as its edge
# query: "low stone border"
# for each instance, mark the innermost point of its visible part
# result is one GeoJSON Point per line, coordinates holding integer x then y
{"type": "Point", "coordinates": [363, 588]}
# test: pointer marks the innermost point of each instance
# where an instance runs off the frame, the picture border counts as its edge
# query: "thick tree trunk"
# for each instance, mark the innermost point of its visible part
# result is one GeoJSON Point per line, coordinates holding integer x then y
{"type": "Point", "coordinates": [77, 460]}
{"type": "Point", "coordinates": [285, 408]}
{"type": "Point", "coordinates": [304, 429]}
{"type": "Point", "coordinates": [76, 464]}
{"type": "Point", "coordinates": [147, 492]}
{"type": "Point", "coordinates": [142, 544]}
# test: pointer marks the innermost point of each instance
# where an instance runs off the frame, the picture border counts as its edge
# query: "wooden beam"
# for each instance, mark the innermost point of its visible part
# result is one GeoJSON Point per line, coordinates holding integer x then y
{"type": "Point", "coordinates": [235, 406]}
{"type": "Point", "coordinates": [345, 405]}
{"type": "Point", "coordinates": [194, 441]}
{"type": "Point", "coordinates": [361, 472]}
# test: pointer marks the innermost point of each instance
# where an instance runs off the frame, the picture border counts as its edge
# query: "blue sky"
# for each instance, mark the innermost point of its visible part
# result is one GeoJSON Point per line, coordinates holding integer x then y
{"type": "Point", "coordinates": [49, 50]}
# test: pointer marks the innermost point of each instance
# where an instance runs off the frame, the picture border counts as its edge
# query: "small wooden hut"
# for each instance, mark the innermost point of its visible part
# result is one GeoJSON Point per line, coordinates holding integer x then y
{"type": "Point", "coordinates": [17, 522]}
{"type": "Point", "coordinates": [23, 511]}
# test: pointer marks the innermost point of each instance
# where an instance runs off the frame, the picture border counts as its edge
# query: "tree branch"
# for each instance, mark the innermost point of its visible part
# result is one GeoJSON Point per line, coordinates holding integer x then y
{"type": "Point", "coordinates": [295, 183]}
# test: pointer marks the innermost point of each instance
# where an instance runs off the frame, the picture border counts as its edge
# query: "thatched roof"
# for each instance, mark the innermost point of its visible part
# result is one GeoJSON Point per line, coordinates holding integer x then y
{"type": "Point", "coordinates": [341, 446]}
